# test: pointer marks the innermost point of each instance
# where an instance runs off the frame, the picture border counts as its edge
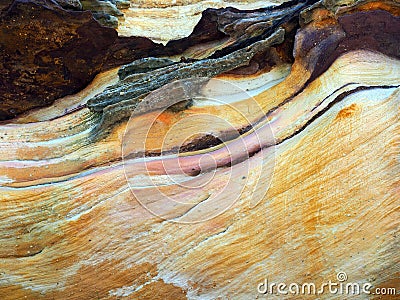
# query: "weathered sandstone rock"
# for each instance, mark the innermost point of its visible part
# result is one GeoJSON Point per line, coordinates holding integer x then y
{"type": "Point", "coordinates": [284, 166]}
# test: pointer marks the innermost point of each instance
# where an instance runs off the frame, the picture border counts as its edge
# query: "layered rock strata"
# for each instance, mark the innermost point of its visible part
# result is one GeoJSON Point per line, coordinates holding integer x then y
{"type": "Point", "coordinates": [282, 164]}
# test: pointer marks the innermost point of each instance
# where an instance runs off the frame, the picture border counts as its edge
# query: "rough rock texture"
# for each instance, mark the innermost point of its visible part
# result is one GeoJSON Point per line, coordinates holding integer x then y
{"type": "Point", "coordinates": [295, 180]}
{"type": "Point", "coordinates": [105, 12]}
{"type": "Point", "coordinates": [70, 4]}
{"type": "Point", "coordinates": [47, 52]}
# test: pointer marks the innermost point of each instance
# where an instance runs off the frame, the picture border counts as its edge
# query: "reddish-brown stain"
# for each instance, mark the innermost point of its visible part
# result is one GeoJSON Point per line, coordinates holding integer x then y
{"type": "Point", "coordinates": [348, 111]}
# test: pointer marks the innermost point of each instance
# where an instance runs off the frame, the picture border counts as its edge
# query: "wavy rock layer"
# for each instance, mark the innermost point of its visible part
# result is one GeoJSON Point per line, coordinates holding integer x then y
{"type": "Point", "coordinates": [294, 180]}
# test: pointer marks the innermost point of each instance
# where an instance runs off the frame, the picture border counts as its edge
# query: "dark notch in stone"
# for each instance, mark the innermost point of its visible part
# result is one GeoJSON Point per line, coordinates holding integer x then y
{"type": "Point", "coordinates": [204, 142]}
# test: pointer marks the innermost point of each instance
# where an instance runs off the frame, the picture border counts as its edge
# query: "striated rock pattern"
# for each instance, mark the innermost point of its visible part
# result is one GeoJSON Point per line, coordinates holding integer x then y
{"type": "Point", "coordinates": [281, 164]}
